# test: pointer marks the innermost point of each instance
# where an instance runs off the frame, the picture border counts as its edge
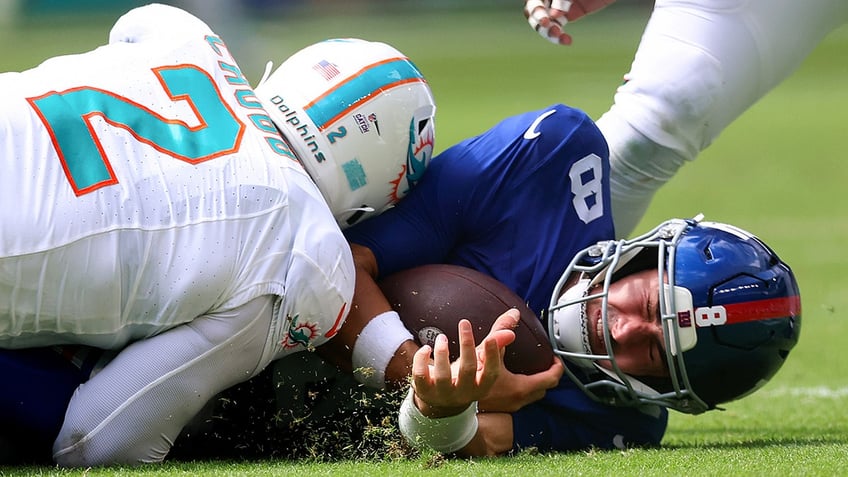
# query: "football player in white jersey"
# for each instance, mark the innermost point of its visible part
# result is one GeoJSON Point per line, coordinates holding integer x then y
{"type": "Point", "coordinates": [699, 66]}
{"type": "Point", "coordinates": [157, 205]}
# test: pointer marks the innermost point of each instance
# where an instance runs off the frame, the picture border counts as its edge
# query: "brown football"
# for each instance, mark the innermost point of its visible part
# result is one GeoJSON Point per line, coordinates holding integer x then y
{"type": "Point", "coordinates": [431, 299]}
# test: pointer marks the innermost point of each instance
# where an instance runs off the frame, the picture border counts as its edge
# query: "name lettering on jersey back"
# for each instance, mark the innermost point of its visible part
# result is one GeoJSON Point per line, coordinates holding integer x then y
{"type": "Point", "coordinates": [303, 128]}
{"type": "Point", "coordinates": [247, 99]}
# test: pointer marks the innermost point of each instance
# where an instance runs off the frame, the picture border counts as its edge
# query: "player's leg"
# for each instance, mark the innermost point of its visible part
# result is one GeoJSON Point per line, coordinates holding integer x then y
{"type": "Point", "coordinates": [38, 384]}
{"type": "Point", "coordinates": [132, 411]}
{"type": "Point", "coordinates": [698, 67]}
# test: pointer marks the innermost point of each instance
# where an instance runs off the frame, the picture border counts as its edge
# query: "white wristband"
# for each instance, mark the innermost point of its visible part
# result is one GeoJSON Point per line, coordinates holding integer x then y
{"type": "Point", "coordinates": [375, 346]}
{"type": "Point", "coordinates": [445, 434]}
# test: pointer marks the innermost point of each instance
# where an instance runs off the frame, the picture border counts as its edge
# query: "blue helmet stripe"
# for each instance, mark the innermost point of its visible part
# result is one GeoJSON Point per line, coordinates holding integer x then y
{"type": "Point", "coordinates": [360, 87]}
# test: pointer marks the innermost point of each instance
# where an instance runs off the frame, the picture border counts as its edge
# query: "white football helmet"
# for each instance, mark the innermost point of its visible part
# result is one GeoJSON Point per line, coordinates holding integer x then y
{"type": "Point", "coordinates": [360, 117]}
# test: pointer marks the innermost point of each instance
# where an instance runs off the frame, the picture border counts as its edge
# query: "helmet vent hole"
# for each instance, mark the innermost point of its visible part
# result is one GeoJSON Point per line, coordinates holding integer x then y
{"type": "Point", "coordinates": [708, 253]}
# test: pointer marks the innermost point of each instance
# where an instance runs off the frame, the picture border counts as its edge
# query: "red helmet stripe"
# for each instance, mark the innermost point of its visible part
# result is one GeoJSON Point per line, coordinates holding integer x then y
{"type": "Point", "coordinates": [763, 309]}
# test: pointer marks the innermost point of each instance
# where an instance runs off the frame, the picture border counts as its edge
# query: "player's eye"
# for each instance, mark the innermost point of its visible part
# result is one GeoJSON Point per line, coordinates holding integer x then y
{"type": "Point", "coordinates": [663, 358]}
{"type": "Point", "coordinates": [650, 309]}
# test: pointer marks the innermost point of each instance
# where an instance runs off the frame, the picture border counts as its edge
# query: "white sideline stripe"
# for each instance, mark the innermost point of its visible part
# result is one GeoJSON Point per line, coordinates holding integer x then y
{"type": "Point", "coordinates": [810, 392]}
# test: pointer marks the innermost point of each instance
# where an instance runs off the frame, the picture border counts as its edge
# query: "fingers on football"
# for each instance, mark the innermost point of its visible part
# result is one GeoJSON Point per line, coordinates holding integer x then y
{"type": "Point", "coordinates": [466, 365]}
{"type": "Point", "coordinates": [502, 329]}
{"type": "Point", "coordinates": [491, 363]}
{"type": "Point", "coordinates": [441, 371]}
{"type": "Point", "coordinates": [548, 378]}
{"type": "Point", "coordinates": [508, 320]}
{"type": "Point", "coordinates": [421, 365]}
{"type": "Point", "coordinates": [467, 352]}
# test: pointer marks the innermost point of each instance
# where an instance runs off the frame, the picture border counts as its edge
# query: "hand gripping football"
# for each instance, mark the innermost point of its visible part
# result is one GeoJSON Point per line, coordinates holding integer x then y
{"type": "Point", "coordinates": [431, 299]}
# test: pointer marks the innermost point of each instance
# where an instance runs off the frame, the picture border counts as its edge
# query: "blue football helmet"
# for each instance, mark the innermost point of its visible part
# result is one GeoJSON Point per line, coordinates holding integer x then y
{"type": "Point", "coordinates": [730, 311]}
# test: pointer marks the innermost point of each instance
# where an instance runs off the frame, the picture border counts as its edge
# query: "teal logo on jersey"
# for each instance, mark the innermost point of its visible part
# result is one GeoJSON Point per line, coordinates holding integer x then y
{"type": "Point", "coordinates": [300, 333]}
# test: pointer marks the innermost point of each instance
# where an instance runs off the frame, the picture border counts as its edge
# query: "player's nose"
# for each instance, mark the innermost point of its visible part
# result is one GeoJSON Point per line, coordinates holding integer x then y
{"type": "Point", "coordinates": [632, 329]}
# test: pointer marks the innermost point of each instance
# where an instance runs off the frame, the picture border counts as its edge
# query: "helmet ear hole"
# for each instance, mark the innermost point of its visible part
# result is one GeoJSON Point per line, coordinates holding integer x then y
{"type": "Point", "coordinates": [422, 125]}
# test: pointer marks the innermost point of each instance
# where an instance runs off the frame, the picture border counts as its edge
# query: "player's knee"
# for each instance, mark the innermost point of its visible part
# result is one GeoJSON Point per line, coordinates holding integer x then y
{"type": "Point", "coordinates": [673, 103]}
{"type": "Point", "coordinates": [76, 446]}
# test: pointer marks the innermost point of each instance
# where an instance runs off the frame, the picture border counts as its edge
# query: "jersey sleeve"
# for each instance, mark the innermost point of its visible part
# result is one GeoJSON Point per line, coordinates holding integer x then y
{"type": "Point", "coordinates": [567, 420]}
{"type": "Point", "coordinates": [157, 22]}
{"type": "Point", "coordinates": [317, 301]}
{"type": "Point", "coordinates": [320, 274]}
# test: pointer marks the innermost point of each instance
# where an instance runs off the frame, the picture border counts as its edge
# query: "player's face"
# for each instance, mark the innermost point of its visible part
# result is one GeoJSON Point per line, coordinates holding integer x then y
{"type": "Point", "coordinates": [634, 323]}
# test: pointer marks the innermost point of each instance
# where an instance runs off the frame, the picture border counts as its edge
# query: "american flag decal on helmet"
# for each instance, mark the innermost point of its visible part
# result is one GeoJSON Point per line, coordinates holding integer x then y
{"type": "Point", "coordinates": [326, 69]}
{"type": "Point", "coordinates": [360, 87]}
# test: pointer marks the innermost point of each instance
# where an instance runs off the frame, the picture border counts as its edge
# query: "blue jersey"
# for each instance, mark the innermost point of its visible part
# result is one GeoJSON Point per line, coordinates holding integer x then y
{"type": "Point", "coordinates": [517, 203]}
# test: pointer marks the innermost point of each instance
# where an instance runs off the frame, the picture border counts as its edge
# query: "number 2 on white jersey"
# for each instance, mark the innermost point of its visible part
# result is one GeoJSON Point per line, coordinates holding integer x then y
{"type": "Point", "coordinates": [67, 116]}
{"type": "Point", "coordinates": [586, 184]}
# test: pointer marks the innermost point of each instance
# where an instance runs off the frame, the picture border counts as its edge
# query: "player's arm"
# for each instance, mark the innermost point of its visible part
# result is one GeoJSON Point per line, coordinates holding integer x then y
{"type": "Point", "coordinates": [373, 343]}
{"type": "Point", "coordinates": [441, 409]}
{"type": "Point", "coordinates": [396, 347]}
{"type": "Point", "coordinates": [374, 338]}
{"type": "Point", "coordinates": [549, 17]}
{"type": "Point", "coordinates": [132, 411]}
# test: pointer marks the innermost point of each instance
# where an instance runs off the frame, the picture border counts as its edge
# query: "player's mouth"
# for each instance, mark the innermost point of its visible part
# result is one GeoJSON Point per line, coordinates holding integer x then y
{"type": "Point", "coordinates": [595, 327]}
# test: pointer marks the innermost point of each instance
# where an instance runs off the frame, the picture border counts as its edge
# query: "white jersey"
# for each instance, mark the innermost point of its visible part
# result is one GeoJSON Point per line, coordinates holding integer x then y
{"type": "Point", "coordinates": [151, 206]}
{"type": "Point", "coordinates": [143, 186]}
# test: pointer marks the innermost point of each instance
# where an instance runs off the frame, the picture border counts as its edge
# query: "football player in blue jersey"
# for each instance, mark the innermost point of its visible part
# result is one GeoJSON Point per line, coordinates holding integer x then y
{"type": "Point", "coordinates": [688, 316]}
{"type": "Point", "coordinates": [627, 356]}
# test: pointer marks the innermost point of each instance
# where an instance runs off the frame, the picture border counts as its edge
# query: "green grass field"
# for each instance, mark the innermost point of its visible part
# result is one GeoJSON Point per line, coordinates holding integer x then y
{"type": "Point", "coordinates": [779, 171]}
